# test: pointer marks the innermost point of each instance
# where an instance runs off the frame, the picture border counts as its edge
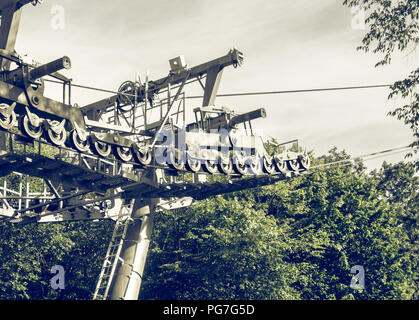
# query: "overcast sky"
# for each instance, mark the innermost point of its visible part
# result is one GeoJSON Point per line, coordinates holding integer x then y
{"type": "Point", "coordinates": [287, 44]}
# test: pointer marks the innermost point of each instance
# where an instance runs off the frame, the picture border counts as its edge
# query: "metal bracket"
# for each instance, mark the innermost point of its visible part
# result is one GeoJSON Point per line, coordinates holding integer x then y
{"type": "Point", "coordinates": [112, 139]}
{"type": "Point", "coordinates": [83, 134]}
{"type": "Point", "coordinates": [33, 118]}
{"type": "Point", "coordinates": [57, 129]}
{"type": "Point", "coordinates": [7, 110]}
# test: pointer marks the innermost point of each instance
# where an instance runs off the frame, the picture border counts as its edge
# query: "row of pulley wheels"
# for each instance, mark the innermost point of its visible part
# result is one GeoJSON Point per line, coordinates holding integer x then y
{"type": "Point", "coordinates": [237, 163]}
{"type": "Point", "coordinates": [55, 132]}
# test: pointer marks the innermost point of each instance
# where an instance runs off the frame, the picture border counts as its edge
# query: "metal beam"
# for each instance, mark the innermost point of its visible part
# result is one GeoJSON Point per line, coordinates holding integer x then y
{"type": "Point", "coordinates": [10, 20]}
{"type": "Point", "coordinates": [17, 3]}
{"type": "Point", "coordinates": [233, 57]}
{"type": "Point", "coordinates": [211, 85]}
{"type": "Point", "coordinates": [126, 285]}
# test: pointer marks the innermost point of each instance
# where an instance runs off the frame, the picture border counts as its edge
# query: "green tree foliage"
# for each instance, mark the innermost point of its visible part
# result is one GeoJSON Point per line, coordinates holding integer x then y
{"type": "Point", "coordinates": [326, 222]}
{"type": "Point", "coordinates": [409, 113]}
{"type": "Point", "coordinates": [296, 239]}
{"type": "Point", "coordinates": [338, 220]}
{"type": "Point", "coordinates": [219, 249]}
{"type": "Point", "coordinates": [394, 25]}
{"type": "Point", "coordinates": [84, 260]}
{"type": "Point", "coordinates": [27, 254]}
{"type": "Point", "coordinates": [400, 186]}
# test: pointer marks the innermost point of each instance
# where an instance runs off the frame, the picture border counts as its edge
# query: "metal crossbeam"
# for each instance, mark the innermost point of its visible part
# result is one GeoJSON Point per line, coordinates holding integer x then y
{"type": "Point", "coordinates": [88, 173]}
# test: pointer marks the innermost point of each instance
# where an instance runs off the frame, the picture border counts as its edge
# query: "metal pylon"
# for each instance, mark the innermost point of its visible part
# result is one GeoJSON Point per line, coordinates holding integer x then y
{"type": "Point", "coordinates": [114, 250]}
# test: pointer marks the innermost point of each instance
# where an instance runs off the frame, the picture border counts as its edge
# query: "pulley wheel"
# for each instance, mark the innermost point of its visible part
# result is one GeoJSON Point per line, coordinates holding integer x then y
{"type": "Point", "coordinates": [30, 130]}
{"type": "Point", "coordinates": [304, 161]}
{"type": "Point", "coordinates": [225, 165]}
{"type": "Point", "coordinates": [280, 165]}
{"type": "Point", "coordinates": [7, 121]}
{"type": "Point", "coordinates": [268, 167]}
{"type": "Point", "coordinates": [193, 164]}
{"type": "Point", "coordinates": [123, 153]}
{"type": "Point", "coordinates": [174, 159]}
{"type": "Point", "coordinates": [101, 149]}
{"type": "Point", "coordinates": [255, 165]}
{"type": "Point", "coordinates": [78, 143]}
{"type": "Point", "coordinates": [142, 157]}
{"type": "Point", "coordinates": [239, 164]}
{"type": "Point", "coordinates": [125, 98]}
{"type": "Point", "coordinates": [293, 165]}
{"type": "Point", "coordinates": [210, 166]}
{"type": "Point", "coordinates": [56, 135]}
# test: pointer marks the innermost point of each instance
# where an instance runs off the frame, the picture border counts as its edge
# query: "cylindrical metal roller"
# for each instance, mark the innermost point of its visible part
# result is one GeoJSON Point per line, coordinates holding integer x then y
{"type": "Point", "coordinates": [255, 114]}
{"type": "Point", "coordinates": [54, 66]}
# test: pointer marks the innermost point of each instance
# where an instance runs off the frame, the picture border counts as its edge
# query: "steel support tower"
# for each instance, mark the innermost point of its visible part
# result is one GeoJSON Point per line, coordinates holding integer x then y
{"type": "Point", "coordinates": [68, 151]}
